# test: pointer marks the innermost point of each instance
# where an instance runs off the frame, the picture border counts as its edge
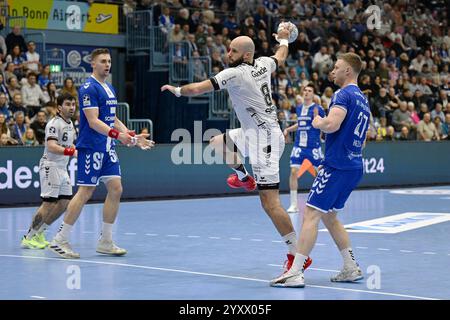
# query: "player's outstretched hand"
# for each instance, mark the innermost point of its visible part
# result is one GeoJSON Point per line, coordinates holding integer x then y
{"type": "Point", "coordinates": [283, 33]}
{"type": "Point", "coordinates": [143, 143]}
{"type": "Point", "coordinates": [125, 138]}
{"type": "Point", "coordinates": [168, 87]}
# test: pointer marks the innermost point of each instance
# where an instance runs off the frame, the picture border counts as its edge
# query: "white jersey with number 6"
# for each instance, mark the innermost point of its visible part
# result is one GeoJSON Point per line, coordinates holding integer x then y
{"type": "Point", "coordinates": [63, 133]}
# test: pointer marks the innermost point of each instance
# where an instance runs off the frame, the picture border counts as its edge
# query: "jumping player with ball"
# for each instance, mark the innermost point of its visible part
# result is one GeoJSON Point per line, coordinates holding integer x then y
{"type": "Point", "coordinates": [247, 81]}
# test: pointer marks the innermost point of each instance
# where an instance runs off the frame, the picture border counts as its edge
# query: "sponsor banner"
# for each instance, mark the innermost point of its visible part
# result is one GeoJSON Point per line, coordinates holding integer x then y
{"type": "Point", "coordinates": [398, 223]}
{"type": "Point", "coordinates": [67, 15]}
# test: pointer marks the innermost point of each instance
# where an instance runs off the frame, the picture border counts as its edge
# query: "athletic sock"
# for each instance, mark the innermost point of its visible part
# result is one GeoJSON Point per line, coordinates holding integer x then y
{"type": "Point", "coordinates": [299, 263]}
{"type": "Point", "coordinates": [106, 231]}
{"type": "Point", "coordinates": [241, 172]}
{"type": "Point", "coordinates": [30, 234]}
{"type": "Point", "coordinates": [291, 240]}
{"type": "Point", "coordinates": [349, 258]}
{"type": "Point", "coordinates": [294, 198]}
{"type": "Point", "coordinates": [42, 228]}
{"type": "Point", "coordinates": [64, 232]}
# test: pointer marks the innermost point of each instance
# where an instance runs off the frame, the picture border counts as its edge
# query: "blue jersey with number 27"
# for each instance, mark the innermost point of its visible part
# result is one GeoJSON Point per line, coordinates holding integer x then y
{"type": "Point", "coordinates": [343, 148]}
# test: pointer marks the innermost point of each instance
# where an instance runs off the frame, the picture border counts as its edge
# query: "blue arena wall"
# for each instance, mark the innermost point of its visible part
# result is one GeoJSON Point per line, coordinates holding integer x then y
{"type": "Point", "coordinates": [152, 174]}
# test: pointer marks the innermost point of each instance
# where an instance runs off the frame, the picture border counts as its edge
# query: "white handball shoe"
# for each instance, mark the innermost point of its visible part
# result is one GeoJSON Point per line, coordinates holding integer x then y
{"type": "Point", "coordinates": [289, 280]}
{"type": "Point", "coordinates": [63, 249]}
{"type": "Point", "coordinates": [108, 247]}
{"type": "Point", "coordinates": [348, 275]}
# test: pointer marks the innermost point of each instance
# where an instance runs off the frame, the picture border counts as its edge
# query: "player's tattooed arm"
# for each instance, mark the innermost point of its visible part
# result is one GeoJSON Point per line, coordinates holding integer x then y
{"type": "Point", "coordinates": [190, 90]}
{"type": "Point", "coordinates": [332, 122]}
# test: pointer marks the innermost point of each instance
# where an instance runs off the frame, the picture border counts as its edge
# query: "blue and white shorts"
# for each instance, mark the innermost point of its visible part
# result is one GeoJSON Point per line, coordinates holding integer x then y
{"type": "Point", "coordinates": [299, 154]}
{"type": "Point", "coordinates": [96, 166]}
{"type": "Point", "coordinates": [332, 187]}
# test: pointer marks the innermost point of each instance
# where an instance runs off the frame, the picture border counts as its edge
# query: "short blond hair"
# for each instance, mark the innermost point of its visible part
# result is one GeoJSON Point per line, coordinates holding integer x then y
{"type": "Point", "coordinates": [353, 60]}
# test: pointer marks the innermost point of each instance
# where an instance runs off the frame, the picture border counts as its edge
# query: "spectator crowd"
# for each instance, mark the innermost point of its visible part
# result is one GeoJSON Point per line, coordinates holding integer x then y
{"type": "Point", "coordinates": [405, 74]}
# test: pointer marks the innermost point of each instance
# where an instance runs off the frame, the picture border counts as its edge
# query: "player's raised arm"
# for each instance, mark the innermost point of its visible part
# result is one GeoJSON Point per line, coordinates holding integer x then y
{"type": "Point", "coordinates": [190, 90]}
{"type": "Point", "coordinates": [283, 50]}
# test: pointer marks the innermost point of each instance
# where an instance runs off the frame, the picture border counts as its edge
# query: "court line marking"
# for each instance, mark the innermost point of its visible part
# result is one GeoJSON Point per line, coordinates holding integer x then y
{"type": "Point", "coordinates": [37, 297]}
{"type": "Point", "coordinates": [429, 252]}
{"type": "Point", "coordinates": [130, 233]}
{"type": "Point", "coordinates": [210, 275]}
{"type": "Point", "coordinates": [406, 251]}
{"type": "Point", "coordinates": [277, 241]}
{"type": "Point", "coordinates": [217, 238]}
{"type": "Point", "coordinates": [193, 236]}
{"type": "Point", "coordinates": [384, 249]}
{"type": "Point", "coordinates": [151, 234]}
{"type": "Point", "coordinates": [173, 235]}
{"type": "Point", "coordinates": [257, 240]}
{"type": "Point", "coordinates": [362, 247]}
{"type": "Point", "coordinates": [310, 268]}
{"type": "Point", "coordinates": [235, 238]}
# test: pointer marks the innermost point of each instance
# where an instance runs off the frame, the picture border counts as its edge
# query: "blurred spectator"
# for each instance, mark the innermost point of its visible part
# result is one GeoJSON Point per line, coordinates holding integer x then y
{"type": "Point", "coordinates": [3, 49]}
{"type": "Point", "coordinates": [17, 59]}
{"type": "Point", "coordinates": [198, 67]}
{"type": "Point", "coordinates": [426, 130]}
{"type": "Point", "coordinates": [129, 6]}
{"type": "Point", "coordinates": [15, 38]}
{"type": "Point", "coordinates": [50, 109]}
{"type": "Point", "coordinates": [437, 112]}
{"type": "Point", "coordinates": [183, 17]}
{"type": "Point", "coordinates": [32, 58]}
{"type": "Point", "coordinates": [216, 61]}
{"type": "Point", "coordinates": [404, 134]}
{"type": "Point", "coordinates": [13, 87]}
{"type": "Point", "coordinates": [29, 139]}
{"type": "Point", "coordinates": [446, 127]}
{"type": "Point", "coordinates": [32, 96]}
{"type": "Point", "coordinates": [401, 117]}
{"type": "Point", "coordinates": [176, 34]}
{"type": "Point", "coordinates": [38, 126]}
{"type": "Point", "coordinates": [322, 61]}
{"type": "Point", "coordinates": [7, 141]}
{"type": "Point", "coordinates": [413, 113]}
{"type": "Point", "coordinates": [19, 127]}
{"type": "Point", "coordinates": [51, 93]}
{"type": "Point", "coordinates": [180, 61]}
{"type": "Point", "coordinates": [443, 98]}
{"type": "Point", "coordinates": [70, 88]}
{"type": "Point", "coordinates": [438, 124]}
{"type": "Point", "coordinates": [44, 77]}
{"type": "Point", "coordinates": [16, 106]}
{"type": "Point", "coordinates": [166, 21]}
{"type": "Point", "coordinates": [4, 107]}
{"type": "Point", "coordinates": [3, 87]}
{"type": "Point", "coordinates": [219, 46]}
{"type": "Point", "coordinates": [4, 129]}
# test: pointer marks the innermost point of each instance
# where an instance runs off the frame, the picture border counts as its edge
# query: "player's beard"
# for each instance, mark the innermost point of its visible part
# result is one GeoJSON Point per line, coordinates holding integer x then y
{"type": "Point", "coordinates": [236, 62]}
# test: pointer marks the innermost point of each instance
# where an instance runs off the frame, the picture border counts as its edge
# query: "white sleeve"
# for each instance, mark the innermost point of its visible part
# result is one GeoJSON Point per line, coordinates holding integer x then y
{"type": "Point", "coordinates": [226, 79]}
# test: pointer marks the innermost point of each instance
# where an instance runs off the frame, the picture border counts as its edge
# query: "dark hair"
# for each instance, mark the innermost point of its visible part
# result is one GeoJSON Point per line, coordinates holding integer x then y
{"type": "Point", "coordinates": [32, 74]}
{"type": "Point", "coordinates": [65, 96]}
{"type": "Point", "coordinates": [310, 85]}
{"type": "Point", "coordinates": [98, 52]}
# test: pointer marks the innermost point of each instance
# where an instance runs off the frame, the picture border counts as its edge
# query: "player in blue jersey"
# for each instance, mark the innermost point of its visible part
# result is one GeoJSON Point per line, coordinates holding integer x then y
{"type": "Point", "coordinates": [97, 158]}
{"type": "Point", "coordinates": [346, 126]}
{"type": "Point", "coordinates": [306, 154]}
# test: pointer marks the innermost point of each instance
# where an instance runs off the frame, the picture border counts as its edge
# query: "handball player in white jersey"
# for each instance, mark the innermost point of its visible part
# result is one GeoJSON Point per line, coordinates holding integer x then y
{"type": "Point", "coordinates": [260, 138]}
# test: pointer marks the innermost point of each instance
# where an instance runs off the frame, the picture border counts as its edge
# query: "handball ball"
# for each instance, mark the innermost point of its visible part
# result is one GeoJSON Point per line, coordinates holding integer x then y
{"type": "Point", "coordinates": [292, 29]}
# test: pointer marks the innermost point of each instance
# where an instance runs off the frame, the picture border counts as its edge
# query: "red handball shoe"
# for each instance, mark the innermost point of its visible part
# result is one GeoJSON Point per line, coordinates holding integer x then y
{"type": "Point", "coordinates": [234, 182]}
{"type": "Point", "coordinates": [290, 260]}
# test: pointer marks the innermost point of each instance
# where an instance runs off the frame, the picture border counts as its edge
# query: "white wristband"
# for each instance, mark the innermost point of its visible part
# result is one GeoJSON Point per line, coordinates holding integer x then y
{"type": "Point", "coordinates": [178, 91]}
{"type": "Point", "coordinates": [284, 42]}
